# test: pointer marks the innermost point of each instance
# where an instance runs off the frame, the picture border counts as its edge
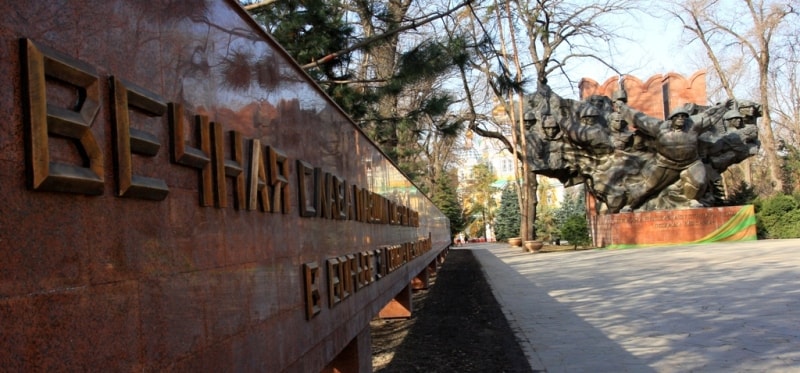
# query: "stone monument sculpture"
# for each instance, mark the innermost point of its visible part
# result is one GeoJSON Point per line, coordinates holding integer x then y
{"type": "Point", "coordinates": [631, 161]}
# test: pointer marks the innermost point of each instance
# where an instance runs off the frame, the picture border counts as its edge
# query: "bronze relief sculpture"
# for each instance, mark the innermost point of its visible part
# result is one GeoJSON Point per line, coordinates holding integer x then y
{"type": "Point", "coordinates": [631, 161]}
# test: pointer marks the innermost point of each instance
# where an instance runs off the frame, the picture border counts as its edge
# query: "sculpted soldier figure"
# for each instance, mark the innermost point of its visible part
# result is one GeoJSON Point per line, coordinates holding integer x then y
{"type": "Point", "coordinates": [750, 111]}
{"type": "Point", "coordinates": [622, 137]}
{"type": "Point", "coordinates": [733, 120]}
{"type": "Point", "coordinates": [739, 141]}
{"type": "Point", "coordinates": [660, 164]}
{"type": "Point", "coordinates": [676, 152]}
{"type": "Point", "coordinates": [546, 141]}
{"type": "Point", "coordinates": [589, 133]}
{"type": "Point", "coordinates": [551, 129]}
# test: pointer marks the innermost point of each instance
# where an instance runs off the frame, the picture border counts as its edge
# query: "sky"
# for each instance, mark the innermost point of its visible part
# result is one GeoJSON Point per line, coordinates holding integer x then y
{"type": "Point", "coordinates": [657, 46]}
{"type": "Point", "coordinates": [656, 49]}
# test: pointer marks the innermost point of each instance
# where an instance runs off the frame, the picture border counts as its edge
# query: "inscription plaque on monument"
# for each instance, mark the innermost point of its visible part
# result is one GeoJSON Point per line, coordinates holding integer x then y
{"type": "Point", "coordinates": [668, 227]}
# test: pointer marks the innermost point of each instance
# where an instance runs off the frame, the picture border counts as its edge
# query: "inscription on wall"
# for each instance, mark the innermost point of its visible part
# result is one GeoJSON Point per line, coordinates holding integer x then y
{"type": "Point", "coordinates": [259, 184]}
{"type": "Point", "coordinates": [671, 220]}
{"type": "Point", "coordinates": [347, 274]}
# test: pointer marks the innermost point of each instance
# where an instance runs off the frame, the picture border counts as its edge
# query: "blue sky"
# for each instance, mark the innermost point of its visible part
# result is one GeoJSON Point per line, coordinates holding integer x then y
{"type": "Point", "coordinates": [657, 46]}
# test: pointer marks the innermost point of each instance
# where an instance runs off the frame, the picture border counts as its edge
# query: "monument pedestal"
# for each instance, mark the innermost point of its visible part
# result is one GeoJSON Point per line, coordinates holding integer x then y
{"type": "Point", "coordinates": [673, 227]}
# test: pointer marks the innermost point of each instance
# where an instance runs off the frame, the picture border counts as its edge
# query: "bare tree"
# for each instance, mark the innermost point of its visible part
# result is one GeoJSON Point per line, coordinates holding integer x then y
{"type": "Point", "coordinates": [531, 42]}
{"type": "Point", "coordinates": [785, 90]}
{"type": "Point", "coordinates": [785, 80]}
{"type": "Point", "coordinates": [695, 11]}
{"type": "Point", "coordinates": [751, 31]}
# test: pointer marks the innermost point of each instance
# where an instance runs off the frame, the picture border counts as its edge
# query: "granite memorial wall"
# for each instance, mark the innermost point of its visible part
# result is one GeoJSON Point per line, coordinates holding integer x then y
{"type": "Point", "coordinates": [180, 196]}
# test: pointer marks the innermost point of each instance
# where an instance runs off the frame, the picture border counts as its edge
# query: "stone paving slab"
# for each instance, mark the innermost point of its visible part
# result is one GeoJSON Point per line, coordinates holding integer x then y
{"type": "Point", "coordinates": [723, 307]}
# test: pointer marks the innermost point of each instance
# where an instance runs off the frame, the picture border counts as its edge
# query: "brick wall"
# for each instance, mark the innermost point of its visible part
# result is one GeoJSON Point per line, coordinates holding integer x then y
{"type": "Point", "coordinates": [648, 96]}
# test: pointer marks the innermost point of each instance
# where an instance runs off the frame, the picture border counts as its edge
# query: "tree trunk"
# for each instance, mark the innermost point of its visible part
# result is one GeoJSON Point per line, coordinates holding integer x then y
{"type": "Point", "coordinates": [383, 58]}
{"type": "Point", "coordinates": [768, 137]}
{"type": "Point", "coordinates": [531, 187]}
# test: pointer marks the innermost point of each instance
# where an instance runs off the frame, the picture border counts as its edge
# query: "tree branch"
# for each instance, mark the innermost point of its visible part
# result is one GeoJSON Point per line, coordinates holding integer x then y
{"type": "Point", "coordinates": [256, 6]}
{"type": "Point", "coordinates": [385, 35]}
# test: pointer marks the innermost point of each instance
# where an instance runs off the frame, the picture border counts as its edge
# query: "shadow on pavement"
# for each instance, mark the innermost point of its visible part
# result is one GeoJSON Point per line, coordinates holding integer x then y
{"type": "Point", "coordinates": [717, 307]}
{"type": "Point", "coordinates": [552, 335]}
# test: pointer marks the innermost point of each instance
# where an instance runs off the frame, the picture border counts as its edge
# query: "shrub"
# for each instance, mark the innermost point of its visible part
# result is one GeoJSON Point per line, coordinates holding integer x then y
{"type": "Point", "coordinates": [575, 230]}
{"type": "Point", "coordinates": [778, 216]}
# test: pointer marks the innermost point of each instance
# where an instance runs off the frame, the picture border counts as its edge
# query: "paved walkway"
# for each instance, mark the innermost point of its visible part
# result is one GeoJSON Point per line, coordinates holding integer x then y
{"type": "Point", "coordinates": [731, 307]}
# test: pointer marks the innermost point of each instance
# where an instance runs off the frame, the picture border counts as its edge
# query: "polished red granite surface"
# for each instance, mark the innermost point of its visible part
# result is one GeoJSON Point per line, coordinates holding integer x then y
{"type": "Point", "coordinates": [167, 277]}
{"type": "Point", "coordinates": [669, 227]}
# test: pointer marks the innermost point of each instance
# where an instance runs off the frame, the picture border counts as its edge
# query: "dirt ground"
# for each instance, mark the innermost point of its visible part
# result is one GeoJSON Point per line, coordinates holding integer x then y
{"type": "Point", "coordinates": [456, 326]}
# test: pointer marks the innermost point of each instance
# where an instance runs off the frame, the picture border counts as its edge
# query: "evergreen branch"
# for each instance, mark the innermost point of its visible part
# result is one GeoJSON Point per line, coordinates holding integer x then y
{"type": "Point", "coordinates": [385, 35]}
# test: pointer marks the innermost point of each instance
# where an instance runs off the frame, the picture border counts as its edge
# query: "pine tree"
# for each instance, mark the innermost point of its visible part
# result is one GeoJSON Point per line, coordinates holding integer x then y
{"type": "Point", "coordinates": [571, 219]}
{"type": "Point", "coordinates": [576, 230]}
{"type": "Point", "coordinates": [390, 89]}
{"type": "Point", "coordinates": [508, 216]}
{"type": "Point", "coordinates": [573, 204]}
{"type": "Point", "coordinates": [446, 199]}
{"type": "Point", "coordinates": [309, 30]}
